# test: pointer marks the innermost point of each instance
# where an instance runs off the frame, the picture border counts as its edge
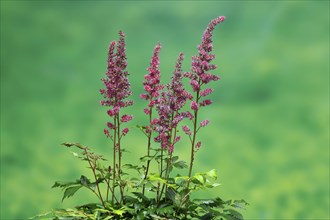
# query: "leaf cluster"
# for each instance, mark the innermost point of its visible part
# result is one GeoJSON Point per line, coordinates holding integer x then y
{"type": "Point", "coordinates": [175, 204]}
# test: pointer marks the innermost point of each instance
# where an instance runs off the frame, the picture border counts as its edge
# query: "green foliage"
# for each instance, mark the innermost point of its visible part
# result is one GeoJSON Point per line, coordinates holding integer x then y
{"type": "Point", "coordinates": [176, 203]}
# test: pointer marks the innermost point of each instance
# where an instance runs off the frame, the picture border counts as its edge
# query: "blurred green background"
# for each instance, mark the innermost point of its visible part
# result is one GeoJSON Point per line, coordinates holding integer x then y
{"type": "Point", "coordinates": [269, 131]}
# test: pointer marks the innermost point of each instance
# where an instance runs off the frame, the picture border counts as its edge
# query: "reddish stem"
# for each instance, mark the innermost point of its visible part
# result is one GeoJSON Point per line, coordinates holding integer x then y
{"type": "Point", "coordinates": [97, 184]}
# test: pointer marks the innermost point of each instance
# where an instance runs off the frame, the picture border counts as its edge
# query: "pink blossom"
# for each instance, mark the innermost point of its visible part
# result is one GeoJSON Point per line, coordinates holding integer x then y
{"type": "Point", "coordinates": [126, 118]}
{"type": "Point", "coordinates": [111, 112]}
{"type": "Point", "coordinates": [206, 92]}
{"type": "Point", "coordinates": [204, 123]}
{"type": "Point", "coordinates": [198, 145]}
{"type": "Point", "coordinates": [194, 106]}
{"type": "Point", "coordinates": [200, 65]}
{"type": "Point", "coordinates": [168, 107]}
{"type": "Point", "coordinates": [151, 103]}
{"type": "Point", "coordinates": [206, 102]}
{"type": "Point", "coordinates": [155, 94]}
{"type": "Point", "coordinates": [144, 96]}
{"type": "Point", "coordinates": [155, 121]}
{"type": "Point", "coordinates": [151, 85]}
{"type": "Point", "coordinates": [177, 139]}
{"type": "Point", "coordinates": [116, 110]}
{"type": "Point", "coordinates": [188, 115]}
{"type": "Point", "coordinates": [186, 130]}
{"type": "Point", "coordinates": [125, 131]}
{"type": "Point", "coordinates": [117, 86]}
{"type": "Point", "coordinates": [146, 111]}
{"type": "Point", "coordinates": [147, 88]}
{"type": "Point", "coordinates": [106, 132]}
{"type": "Point", "coordinates": [110, 125]}
{"type": "Point", "coordinates": [195, 85]}
{"type": "Point", "coordinates": [116, 81]}
{"type": "Point", "coordinates": [171, 149]}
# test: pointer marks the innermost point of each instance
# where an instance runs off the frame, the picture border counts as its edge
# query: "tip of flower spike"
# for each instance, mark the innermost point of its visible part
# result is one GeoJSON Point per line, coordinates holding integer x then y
{"type": "Point", "coordinates": [122, 34]}
{"type": "Point", "coordinates": [112, 43]}
{"type": "Point", "coordinates": [222, 18]}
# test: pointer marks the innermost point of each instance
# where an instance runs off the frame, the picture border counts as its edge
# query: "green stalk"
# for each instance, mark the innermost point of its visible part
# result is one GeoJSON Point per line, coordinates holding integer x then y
{"type": "Point", "coordinates": [119, 160]}
{"type": "Point", "coordinates": [95, 177]}
{"type": "Point", "coordinates": [114, 163]}
{"type": "Point", "coordinates": [192, 155]}
{"type": "Point", "coordinates": [148, 152]}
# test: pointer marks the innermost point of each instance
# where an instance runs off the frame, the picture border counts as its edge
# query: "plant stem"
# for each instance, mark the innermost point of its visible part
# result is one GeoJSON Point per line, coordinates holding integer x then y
{"type": "Point", "coordinates": [114, 163]}
{"type": "Point", "coordinates": [95, 177]}
{"type": "Point", "coordinates": [169, 161]}
{"type": "Point", "coordinates": [148, 152]}
{"type": "Point", "coordinates": [108, 187]}
{"type": "Point", "coordinates": [192, 155]}
{"type": "Point", "coordinates": [119, 160]}
{"type": "Point", "coordinates": [161, 172]}
{"type": "Point", "coordinates": [166, 175]}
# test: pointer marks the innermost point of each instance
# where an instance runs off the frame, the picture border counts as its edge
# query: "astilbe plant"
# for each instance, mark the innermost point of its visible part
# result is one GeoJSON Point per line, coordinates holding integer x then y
{"type": "Point", "coordinates": [154, 193]}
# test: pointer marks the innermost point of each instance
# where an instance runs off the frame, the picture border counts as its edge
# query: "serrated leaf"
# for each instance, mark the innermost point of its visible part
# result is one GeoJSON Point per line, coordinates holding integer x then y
{"type": "Point", "coordinates": [70, 191]}
{"type": "Point", "coordinates": [64, 184]}
{"type": "Point", "coordinates": [235, 215]}
{"type": "Point", "coordinates": [240, 204]}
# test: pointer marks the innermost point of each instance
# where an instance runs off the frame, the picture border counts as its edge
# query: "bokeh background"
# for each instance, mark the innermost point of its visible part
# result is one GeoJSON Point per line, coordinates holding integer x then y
{"type": "Point", "coordinates": [269, 131]}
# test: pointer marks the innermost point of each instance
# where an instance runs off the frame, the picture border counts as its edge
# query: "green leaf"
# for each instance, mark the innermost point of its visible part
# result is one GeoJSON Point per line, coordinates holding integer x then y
{"type": "Point", "coordinates": [70, 191]}
{"type": "Point", "coordinates": [146, 158]}
{"type": "Point", "coordinates": [207, 216]}
{"type": "Point", "coordinates": [165, 210]}
{"type": "Point", "coordinates": [141, 196]}
{"type": "Point", "coordinates": [179, 178]}
{"type": "Point", "coordinates": [46, 215]}
{"type": "Point", "coordinates": [119, 212]}
{"type": "Point", "coordinates": [84, 180]}
{"type": "Point", "coordinates": [213, 185]}
{"type": "Point", "coordinates": [212, 174]}
{"type": "Point", "coordinates": [239, 204]}
{"type": "Point", "coordinates": [64, 184]}
{"type": "Point", "coordinates": [232, 214]}
{"type": "Point", "coordinates": [175, 159]}
{"type": "Point", "coordinates": [201, 179]}
{"type": "Point", "coordinates": [133, 167]}
{"type": "Point", "coordinates": [72, 144]}
{"type": "Point", "coordinates": [170, 193]}
{"type": "Point", "coordinates": [156, 177]}
{"type": "Point", "coordinates": [75, 154]}
{"type": "Point", "coordinates": [180, 164]}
